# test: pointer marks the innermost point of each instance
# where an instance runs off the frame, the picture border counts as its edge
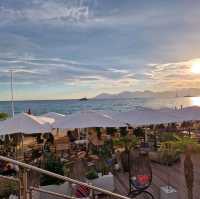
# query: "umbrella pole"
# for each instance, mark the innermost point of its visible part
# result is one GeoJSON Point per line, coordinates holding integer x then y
{"type": "Point", "coordinates": [22, 137]}
{"type": "Point", "coordinates": [129, 171]}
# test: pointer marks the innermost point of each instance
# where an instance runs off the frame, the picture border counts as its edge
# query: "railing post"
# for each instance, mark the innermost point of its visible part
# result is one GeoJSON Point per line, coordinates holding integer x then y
{"type": "Point", "coordinates": [92, 193]}
{"type": "Point", "coordinates": [24, 191]}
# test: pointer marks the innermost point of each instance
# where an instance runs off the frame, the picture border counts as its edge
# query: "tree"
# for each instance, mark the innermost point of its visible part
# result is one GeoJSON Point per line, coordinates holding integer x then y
{"type": "Point", "coordinates": [111, 131]}
{"type": "Point", "coordinates": [171, 127]}
{"type": "Point", "coordinates": [139, 132]}
{"type": "Point", "coordinates": [3, 116]}
{"type": "Point", "coordinates": [187, 125]}
{"type": "Point", "coordinates": [123, 131]}
{"type": "Point", "coordinates": [127, 143]}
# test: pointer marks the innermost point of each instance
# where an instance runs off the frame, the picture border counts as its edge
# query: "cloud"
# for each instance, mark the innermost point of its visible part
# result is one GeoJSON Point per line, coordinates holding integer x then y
{"type": "Point", "coordinates": [45, 11]}
{"type": "Point", "coordinates": [57, 70]}
{"type": "Point", "coordinates": [123, 71]}
{"type": "Point", "coordinates": [111, 45]}
{"type": "Point", "coordinates": [173, 75]}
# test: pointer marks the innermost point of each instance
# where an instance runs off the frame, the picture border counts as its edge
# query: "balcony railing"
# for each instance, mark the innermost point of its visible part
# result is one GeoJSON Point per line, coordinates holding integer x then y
{"type": "Point", "coordinates": [26, 191]}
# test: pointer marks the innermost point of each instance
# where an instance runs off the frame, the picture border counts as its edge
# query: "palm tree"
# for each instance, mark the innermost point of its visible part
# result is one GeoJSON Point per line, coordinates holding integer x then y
{"type": "Point", "coordinates": [128, 143]}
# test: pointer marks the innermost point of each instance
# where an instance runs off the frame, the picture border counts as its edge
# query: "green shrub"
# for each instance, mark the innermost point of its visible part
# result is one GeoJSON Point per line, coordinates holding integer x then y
{"type": "Point", "coordinates": [3, 116]}
{"type": "Point", "coordinates": [167, 136]}
{"type": "Point", "coordinates": [7, 188]}
{"type": "Point", "coordinates": [123, 131]}
{"type": "Point", "coordinates": [54, 165]}
{"type": "Point", "coordinates": [139, 132]}
{"type": "Point", "coordinates": [169, 157]}
{"type": "Point", "coordinates": [92, 174]}
{"type": "Point", "coordinates": [111, 131]}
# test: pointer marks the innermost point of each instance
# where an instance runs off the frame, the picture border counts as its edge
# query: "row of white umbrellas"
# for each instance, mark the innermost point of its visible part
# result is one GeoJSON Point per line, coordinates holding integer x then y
{"type": "Point", "coordinates": [24, 123]}
{"type": "Point", "coordinates": [29, 124]}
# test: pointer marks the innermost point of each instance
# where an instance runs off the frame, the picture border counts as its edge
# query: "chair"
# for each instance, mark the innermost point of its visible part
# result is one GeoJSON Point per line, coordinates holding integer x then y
{"type": "Point", "coordinates": [141, 176]}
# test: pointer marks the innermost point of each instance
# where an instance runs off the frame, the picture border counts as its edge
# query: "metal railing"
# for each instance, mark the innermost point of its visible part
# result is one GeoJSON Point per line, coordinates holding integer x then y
{"type": "Point", "coordinates": [26, 190]}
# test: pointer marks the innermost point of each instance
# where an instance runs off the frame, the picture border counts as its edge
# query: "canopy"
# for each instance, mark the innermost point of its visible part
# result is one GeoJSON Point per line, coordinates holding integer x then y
{"type": "Point", "coordinates": [25, 123]}
{"type": "Point", "coordinates": [185, 114]}
{"type": "Point", "coordinates": [145, 117]}
{"type": "Point", "coordinates": [56, 116]}
{"type": "Point", "coordinates": [87, 119]}
{"type": "Point", "coordinates": [159, 116]}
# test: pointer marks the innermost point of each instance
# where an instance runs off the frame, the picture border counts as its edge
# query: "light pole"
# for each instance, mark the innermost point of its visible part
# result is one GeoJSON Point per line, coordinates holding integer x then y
{"type": "Point", "coordinates": [12, 95]}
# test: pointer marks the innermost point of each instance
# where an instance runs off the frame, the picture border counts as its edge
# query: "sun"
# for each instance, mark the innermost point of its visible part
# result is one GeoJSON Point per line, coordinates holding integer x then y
{"type": "Point", "coordinates": [196, 67]}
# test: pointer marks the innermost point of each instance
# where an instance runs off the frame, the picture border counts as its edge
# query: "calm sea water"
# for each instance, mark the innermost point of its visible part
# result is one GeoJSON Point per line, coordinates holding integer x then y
{"type": "Point", "coordinates": [69, 106]}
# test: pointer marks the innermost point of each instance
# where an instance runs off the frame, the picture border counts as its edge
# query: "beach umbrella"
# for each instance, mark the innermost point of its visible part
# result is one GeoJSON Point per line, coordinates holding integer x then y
{"type": "Point", "coordinates": [88, 119]}
{"type": "Point", "coordinates": [56, 116]}
{"type": "Point", "coordinates": [145, 117]}
{"type": "Point", "coordinates": [186, 114]}
{"type": "Point", "coordinates": [25, 123]}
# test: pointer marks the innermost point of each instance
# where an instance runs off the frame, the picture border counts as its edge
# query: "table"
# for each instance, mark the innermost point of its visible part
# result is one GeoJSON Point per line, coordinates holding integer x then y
{"type": "Point", "coordinates": [80, 142]}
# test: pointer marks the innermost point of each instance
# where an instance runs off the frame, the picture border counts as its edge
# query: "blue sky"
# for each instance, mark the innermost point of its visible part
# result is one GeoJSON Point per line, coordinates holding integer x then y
{"type": "Point", "coordinates": [75, 48]}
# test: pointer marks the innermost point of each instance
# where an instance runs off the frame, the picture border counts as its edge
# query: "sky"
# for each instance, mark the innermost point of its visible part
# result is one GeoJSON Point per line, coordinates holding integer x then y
{"type": "Point", "coordinates": [66, 49]}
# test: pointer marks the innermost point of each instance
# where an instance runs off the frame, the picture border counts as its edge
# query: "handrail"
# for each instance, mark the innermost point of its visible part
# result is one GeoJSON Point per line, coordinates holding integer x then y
{"type": "Point", "coordinates": [10, 178]}
{"type": "Point", "coordinates": [51, 193]}
{"type": "Point", "coordinates": [30, 167]}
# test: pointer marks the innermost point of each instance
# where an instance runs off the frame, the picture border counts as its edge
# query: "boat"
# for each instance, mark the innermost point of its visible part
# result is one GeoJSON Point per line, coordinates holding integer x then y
{"type": "Point", "coordinates": [84, 99]}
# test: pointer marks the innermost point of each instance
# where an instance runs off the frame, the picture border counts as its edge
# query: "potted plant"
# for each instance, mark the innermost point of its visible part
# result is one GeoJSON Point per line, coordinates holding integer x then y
{"type": "Point", "coordinates": [91, 175]}
{"type": "Point", "coordinates": [54, 165]}
{"type": "Point", "coordinates": [127, 143]}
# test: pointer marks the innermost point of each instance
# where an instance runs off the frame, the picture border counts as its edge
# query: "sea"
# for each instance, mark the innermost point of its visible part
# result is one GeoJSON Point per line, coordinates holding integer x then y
{"type": "Point", "coordinates": [39, 107]}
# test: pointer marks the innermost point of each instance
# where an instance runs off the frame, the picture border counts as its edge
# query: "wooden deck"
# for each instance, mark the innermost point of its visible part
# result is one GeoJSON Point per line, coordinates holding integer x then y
{"type": "Point", "coordinates": [162, 175]}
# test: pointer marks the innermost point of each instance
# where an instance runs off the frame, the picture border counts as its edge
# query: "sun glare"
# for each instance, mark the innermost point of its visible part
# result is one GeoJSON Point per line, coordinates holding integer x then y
{"type": "Point", "coordinates": [196, 67]}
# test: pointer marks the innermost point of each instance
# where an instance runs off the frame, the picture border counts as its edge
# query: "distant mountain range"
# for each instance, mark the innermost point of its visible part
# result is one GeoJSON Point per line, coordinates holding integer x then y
{"type": "Point", "coordinates": [186, 92]}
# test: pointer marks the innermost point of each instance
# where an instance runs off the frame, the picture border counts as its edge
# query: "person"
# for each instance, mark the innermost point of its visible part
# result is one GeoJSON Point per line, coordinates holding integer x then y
{"type": "Point", "coordinates": [71, 136]}
{"type": "Point", "coordinates": [10, 169]}
{"type": "Point", "coordinates": [29, 111]}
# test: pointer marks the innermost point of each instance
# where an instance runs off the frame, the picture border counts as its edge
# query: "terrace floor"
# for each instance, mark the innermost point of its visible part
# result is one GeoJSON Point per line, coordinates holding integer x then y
{"type": "Point", "coordinates": [162, 176]}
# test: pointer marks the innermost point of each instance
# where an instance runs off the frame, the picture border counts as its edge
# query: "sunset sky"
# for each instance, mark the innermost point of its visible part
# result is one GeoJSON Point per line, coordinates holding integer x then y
{"type": "Point", "coordinates": [71, 49]}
